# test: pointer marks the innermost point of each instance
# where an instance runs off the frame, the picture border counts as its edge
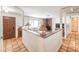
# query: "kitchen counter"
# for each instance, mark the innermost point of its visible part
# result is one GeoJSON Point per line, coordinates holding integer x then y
{"type": "Point", "coordinates": [34, 42]}
{"type": "Point", "coordinates": [38, 33]}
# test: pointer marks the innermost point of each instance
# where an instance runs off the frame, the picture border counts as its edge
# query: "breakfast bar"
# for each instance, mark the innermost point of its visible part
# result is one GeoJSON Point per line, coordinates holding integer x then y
{"type": "Point", "coordinates": [35, 42]}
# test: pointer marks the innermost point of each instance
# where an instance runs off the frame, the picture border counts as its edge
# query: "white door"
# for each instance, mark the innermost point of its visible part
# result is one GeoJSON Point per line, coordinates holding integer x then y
{"type": "Point", "coordinates": [1, 32]}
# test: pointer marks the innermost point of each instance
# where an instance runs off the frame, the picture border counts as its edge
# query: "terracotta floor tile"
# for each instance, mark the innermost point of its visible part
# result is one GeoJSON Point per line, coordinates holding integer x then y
{"type": "Point", "coordinates": [20, 43]}
{"type": "Point", "coordinates": [77, 38]}
{"type": "Point", "coordinates": [9, 46]}
{"type": "Point", "coordinates": [21, 46]}
{"type": "Point", "coordinates": [70, 50]}
{"type": "Point", "coordinates": [8, 40]}
{"type": "Point", "coordinates": [72, 43]}
{"type": "Point", "coordinates": [77, 41]}
{"type": "Point", "coordinates": [9, 50]}
{"type": "Point", "coordinates": [5, 43]}
{"type": "Point", "coordinates": [69, 35]}
{"type": "Point", "coordinates": [16, 49]}
{"type": "Point", "coordinates": [73, 38]}
{"type": "Point", "coordinates": [62, 50]}
{"type": "Point", "coordinates": [66, 45]}
{"type": "Point", "coordinates": [77, 48]}
{"type": "Point", "coordinates": [66, 42]}
{"type": "Point", "coordinates": [13, 40]}
{"type": "Point", "coordinates": [14, 45]}
{"type": "Point", "coordinates": [9, 43]}
{"type": "Point", "coordinates": [23, 50]}
{"type": "Point", "coordinates": [19, 39]}
{"type": "Point", "coordinates": [68, 39]}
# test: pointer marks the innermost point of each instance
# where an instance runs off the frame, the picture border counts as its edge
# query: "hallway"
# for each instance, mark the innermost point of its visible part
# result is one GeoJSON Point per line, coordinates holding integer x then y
{"type": "Point", "coordinates": [71, 44]}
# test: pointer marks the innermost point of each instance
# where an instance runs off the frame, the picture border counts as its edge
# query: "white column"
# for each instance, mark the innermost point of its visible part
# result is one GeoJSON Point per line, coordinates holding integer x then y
{"type": "Point", "coordinates": [1, 30]}
{"type": "Point", "coordinates": [61, 19]}
{"type": "Point", "coordinates": [65, 27]}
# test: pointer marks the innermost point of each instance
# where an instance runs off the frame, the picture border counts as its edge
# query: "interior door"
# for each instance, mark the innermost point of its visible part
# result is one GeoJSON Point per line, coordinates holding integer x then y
{"type": "Point", "coordinates": [8, 27]}
{"type": "Point", "coordinates": [75, 24]}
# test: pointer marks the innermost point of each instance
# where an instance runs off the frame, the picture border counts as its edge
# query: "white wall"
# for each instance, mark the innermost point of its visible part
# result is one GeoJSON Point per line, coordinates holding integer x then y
{"type": "Point", "coordinates": [54, 21]}
{"type": "Point", "coordinates": [54, 42]}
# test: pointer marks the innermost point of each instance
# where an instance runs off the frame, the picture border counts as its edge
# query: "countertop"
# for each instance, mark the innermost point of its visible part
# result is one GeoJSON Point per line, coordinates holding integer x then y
{"type": "Point", "coordinates": [38, 33]}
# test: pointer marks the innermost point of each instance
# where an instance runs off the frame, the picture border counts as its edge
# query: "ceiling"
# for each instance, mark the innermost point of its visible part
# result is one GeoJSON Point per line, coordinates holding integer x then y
{"type": "Point", "coordinates": [71, 10]}
{"type": "Point", "coordinates": [10, 9]}
{"type": "Point", "coordinates": [42, 11]}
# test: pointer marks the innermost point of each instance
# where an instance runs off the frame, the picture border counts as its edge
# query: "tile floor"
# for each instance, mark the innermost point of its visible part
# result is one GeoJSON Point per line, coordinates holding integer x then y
{"type": "Point", "coordinates": [14, 45]}
{"type": "Point", "coordinates": [71, 44]}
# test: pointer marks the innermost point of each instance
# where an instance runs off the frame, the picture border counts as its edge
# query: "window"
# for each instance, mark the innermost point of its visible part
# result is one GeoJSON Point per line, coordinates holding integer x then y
{"type": "Point", "coordinates": [34, 23]}
{"type": "Point", "coordinates": [31, 23]}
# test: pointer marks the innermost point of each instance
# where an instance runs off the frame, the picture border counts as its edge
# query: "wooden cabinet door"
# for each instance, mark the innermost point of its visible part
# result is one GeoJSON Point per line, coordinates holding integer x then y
{"type": "Point", "coordinates": [8, 27]}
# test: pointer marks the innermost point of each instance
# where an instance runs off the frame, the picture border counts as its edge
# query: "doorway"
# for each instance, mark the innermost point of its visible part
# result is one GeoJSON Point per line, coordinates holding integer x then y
{"type": "Point", "coordinates": [20, 32]}
{"type": "Point", "coordinates": [74, 24]}
{"type": "Point", "coordinates": [9, 27]}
